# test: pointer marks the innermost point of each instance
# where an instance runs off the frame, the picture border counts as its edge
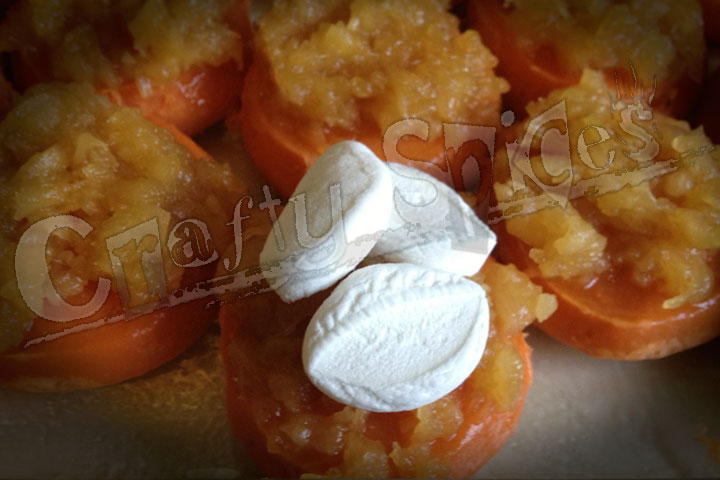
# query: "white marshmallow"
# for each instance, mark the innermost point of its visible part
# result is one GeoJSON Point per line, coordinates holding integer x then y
{"type": "Point", "coordinates": [395, 337]}
{"type": "Point", "coordinates": [431, 225]}
{"type": "Point", "coordinates": [331, 222]}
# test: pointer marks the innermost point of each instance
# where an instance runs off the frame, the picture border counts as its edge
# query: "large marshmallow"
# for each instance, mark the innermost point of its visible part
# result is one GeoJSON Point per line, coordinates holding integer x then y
{"type": "Point", "coordinates": [394, 337]}
{"type": "Point", "coordinates": [333, 220]}
{"type": "Point", "coordinates": [431, 225]}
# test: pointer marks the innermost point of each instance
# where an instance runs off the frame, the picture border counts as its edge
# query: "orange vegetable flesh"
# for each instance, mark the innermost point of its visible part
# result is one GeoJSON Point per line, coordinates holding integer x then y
{"type": "Point", "coordinates": [634, 266]}
{"type": "Point", "coordinates": [534, 72]}
{"type": "Point", "coordinates": [199, 98]}
{"type": "Point", "coordinates": [193, 98]}
{"type": "Point", "coordinates": [282, 147]}
{"type": "Point", "coordinates": [531, 74]}
{"type": "Point", "coordinates": [107, 355]}
{"type": "Point", "coordinates": [288, 427]}
{"type": "Point", "coordinates": [612, 317]}
{"type": "Point", "coordinates": [351, 69]}
{"type": "Point", "coordinates": [117, 351]}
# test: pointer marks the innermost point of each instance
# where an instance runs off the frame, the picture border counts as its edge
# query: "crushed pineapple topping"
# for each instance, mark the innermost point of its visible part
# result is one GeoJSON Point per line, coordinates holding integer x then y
{"type": "Point", "coordinates": [346, 63]}
{"type": "Point", "coordinates": [111, 42]}
{"type": "Point", "coordinates": [67, 151]}
{"type": "Point", "coordinates": [664, 231]}
{"type": "Point", "coordinates": [661, 38]}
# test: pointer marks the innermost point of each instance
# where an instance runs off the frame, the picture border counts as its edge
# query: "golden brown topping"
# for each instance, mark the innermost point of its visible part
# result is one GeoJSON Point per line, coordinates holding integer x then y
{"type": "Point", "coordinates": [664, 229]}
{"type": "Point", "coordinates": [67, 151]}
{"type": "Point", "coordinates": [109, 42]}
{"type": "Point", "coordinates": [346, 63]}
{"type": "Point", "coordinates": [660, 38]}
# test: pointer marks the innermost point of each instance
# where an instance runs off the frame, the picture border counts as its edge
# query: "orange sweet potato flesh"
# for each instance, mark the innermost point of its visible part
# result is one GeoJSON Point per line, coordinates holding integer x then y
{"type": "Point", "coordinates": [614, 318]}
{"type": "Point", "coordinates": [201, 96]}
{"type": "Point", "coordinates": [257, 414]}
{"type": "Point", "coordinates": [279, 143]}
{"type": "Point", "coordinates": [193, 102]}
{"type": "Point", "coordinates": [534, 74]}
{"type": "Point", "coordinates": [288, 427]}
{"type": "Point", "coordinates": [107, 355]}
{"type": "Point", "coordinates": [115, 352]}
